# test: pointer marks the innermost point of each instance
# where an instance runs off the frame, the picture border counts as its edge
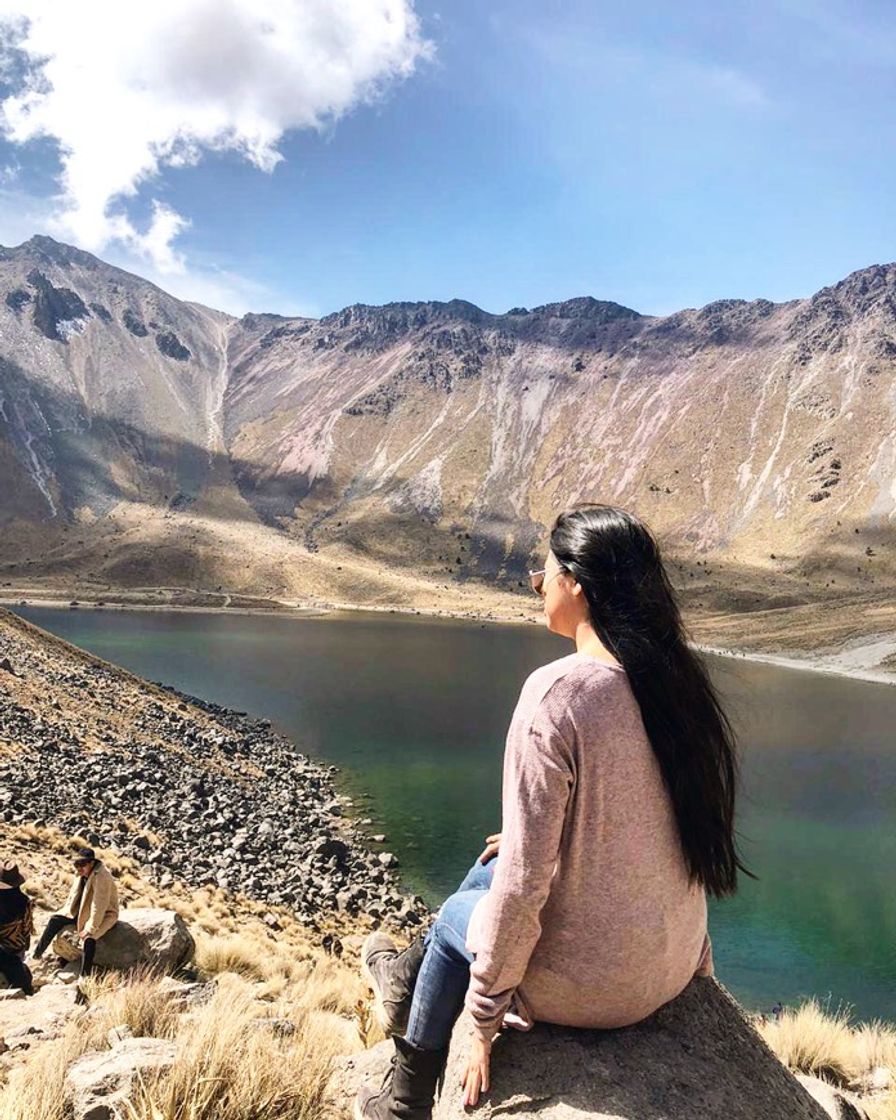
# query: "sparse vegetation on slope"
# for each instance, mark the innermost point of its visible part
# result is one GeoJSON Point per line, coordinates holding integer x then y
{"type": "Point", "coordinates": [255, 1040]}
{"type": "Point", "coordinates": [857, 1056]}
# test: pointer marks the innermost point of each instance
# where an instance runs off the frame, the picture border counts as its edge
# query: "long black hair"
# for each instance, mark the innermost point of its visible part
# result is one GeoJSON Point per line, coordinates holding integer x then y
{"type": "Point", "coordinates": [634, 611]}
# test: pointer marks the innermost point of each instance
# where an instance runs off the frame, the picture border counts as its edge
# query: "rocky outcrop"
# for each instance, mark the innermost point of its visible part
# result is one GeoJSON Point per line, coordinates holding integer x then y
{"type": "Point", "coordinates": [695, 1057]}
{"type": "Point", "coordinates": [158, 939]}
{"type": "Point", "coordinates": [837, 1103]}
{"type": "Point", "coordinates": [98, 1085]}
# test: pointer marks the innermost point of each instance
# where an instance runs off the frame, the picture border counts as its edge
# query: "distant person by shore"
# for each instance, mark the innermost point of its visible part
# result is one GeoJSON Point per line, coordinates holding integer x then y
{"type": "Point", "coordinates": [589, 908]}
{"type": "Point", "coordinates": [16, 928]}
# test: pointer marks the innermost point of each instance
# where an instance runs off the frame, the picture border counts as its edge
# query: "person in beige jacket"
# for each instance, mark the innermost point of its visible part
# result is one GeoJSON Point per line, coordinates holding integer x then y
{"type": "Point", "coordinates": [91, 907]}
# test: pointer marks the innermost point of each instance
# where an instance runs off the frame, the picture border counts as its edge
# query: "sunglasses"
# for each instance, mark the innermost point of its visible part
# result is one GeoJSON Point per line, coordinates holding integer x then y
{"type": "Point", "coordinates": [537, 581]}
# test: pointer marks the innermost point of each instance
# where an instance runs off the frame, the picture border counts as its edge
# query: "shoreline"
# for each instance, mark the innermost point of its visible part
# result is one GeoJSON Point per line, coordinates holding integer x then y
{"type": "Point", "coordinates": [829, 664]}
{"type": "Point", "coordinates": [789, 661]}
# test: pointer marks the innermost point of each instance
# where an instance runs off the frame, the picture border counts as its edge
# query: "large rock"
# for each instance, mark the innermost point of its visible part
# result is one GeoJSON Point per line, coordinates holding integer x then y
{"type": "Point", "coordinates": [695, 1057]}
{"type": "Point", "coordinates": [157, 938]}
{"type": "Point", "coordinates": [98, 1084]}
{"type": "Point", "coordinates": [353, 1070]}
{"type": "Point", "coordinates": [837, 1103]}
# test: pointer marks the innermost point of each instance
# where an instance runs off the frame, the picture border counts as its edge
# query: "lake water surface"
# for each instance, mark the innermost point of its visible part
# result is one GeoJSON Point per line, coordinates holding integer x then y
{"type": "Point", "coordinates": [415, 712]}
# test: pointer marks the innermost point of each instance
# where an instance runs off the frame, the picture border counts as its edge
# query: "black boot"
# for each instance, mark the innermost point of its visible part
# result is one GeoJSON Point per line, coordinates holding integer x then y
{"type": "Point", "coordinates": [409, 1090]}
{"type": "Point", "coordinates": [392, 976]}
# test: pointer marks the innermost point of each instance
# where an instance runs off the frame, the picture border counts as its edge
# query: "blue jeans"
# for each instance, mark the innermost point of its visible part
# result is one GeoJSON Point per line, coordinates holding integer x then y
{"type": "Point", "coordinates": [445, 973]}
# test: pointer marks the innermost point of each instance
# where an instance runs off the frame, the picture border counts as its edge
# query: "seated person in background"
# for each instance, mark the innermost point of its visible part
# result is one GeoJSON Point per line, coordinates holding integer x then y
{"type": "Point", "coordinates": [91, 906]}
{"type": "Point", "coordinates": [16, 928]}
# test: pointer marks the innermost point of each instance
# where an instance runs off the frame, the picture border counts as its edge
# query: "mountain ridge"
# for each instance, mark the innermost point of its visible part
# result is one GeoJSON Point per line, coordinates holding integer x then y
{"type": "Point", "coordinates": [418, 451]}
{"type": "Point", "coordinates": [62, 253]}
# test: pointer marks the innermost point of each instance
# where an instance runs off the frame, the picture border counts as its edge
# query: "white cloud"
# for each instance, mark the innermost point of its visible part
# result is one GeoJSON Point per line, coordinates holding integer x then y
{"type": "Point", "coordinates": [128, 89]}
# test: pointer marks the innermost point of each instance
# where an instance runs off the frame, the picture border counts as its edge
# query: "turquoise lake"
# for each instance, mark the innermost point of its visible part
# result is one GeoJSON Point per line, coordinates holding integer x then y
{"type": "Point", "coordinates": [415, 711]}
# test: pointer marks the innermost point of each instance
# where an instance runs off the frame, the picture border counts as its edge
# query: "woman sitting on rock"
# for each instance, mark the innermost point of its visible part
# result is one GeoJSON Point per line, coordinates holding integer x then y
{"type": "Point", "coordinates": [620, 773]}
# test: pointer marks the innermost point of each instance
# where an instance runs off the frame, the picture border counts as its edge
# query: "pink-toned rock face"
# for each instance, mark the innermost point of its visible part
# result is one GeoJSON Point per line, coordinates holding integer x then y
{"type": "Point", "coordinates": [750, 434]}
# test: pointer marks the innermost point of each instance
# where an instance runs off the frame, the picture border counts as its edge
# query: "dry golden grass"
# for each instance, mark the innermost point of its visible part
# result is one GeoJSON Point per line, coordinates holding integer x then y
{"type": "Point", "coordinates": [135, 1002]}
{"type": "Point", "coordinates": [809, 1039]}
{"type": "Point", "coordinates": [231, 1061]}
{"type": "Point", "coordinates": [226, 1067]}
{"type": "Point", "coordinates": [229, 1065]}
{"type": "Point", "coordinates": [243, 956]}
{"type": "Point", "coordinates": [35, 1091]}
{"type": "Point", "coordinates": [882, 1108]}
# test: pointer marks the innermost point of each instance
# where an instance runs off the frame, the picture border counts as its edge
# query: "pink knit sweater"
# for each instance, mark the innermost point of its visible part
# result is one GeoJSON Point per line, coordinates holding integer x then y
{"type": "Point", "coordinates": [590, 921]}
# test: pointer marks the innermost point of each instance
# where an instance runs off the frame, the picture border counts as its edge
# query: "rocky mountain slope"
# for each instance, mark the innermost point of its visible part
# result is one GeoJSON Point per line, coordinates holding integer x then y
{"type": "Point", "coordinates": [187, 789]}
{"type": "Point", "coordinates": [415, 453]}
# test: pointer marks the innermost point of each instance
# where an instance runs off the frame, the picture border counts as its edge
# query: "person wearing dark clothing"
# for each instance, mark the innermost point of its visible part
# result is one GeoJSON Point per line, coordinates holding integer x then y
{"type": "Point", "coordinates": [16, 928]}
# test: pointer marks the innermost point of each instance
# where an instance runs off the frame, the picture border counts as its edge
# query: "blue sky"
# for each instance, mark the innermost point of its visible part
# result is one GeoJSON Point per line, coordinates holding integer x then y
{"type": "Point", "coordinates": [659, 155]}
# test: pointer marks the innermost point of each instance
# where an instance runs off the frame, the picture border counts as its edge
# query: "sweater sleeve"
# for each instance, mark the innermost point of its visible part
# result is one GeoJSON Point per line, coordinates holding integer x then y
{"type": "Point", "coordinates": [539, 773]}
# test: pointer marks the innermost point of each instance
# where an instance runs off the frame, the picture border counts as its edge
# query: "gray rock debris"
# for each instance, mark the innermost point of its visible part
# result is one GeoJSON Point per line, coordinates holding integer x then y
{"type": "Point", "coordinates": [98, 1084]}
{"type": "Point", "coordinates": [233, 804]}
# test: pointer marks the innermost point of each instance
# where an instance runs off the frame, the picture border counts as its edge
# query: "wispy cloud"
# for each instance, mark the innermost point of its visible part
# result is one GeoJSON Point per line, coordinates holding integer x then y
{"type": "Point", "coordinates": [669, 74]}
{"type": "Point", "coordinates": [127, 90]}
{"type": "Point", "coordinates": [845, 31]}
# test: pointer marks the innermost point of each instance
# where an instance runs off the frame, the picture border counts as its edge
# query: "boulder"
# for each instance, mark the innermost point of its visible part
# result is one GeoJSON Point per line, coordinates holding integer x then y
{"type": "Point", "coordinates": [66, 945]}
{"type": "Point", "coordinates": [98, 1084]}
{"type": "Point", "coordinates": [837, 1102]}
{"type": "Point", "coordinates": [697, 1056]}
{"type": "Point", "coordinates": [353, 1070]}
{"type": "Point", "coordinates": [159, 939]}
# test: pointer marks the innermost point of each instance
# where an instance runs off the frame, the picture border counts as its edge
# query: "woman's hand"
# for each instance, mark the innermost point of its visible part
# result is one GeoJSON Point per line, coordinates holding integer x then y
{"type": "Point", "coordinates": [475, 1078]}
{"type": "Point", "coordinates": [492, 843]}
